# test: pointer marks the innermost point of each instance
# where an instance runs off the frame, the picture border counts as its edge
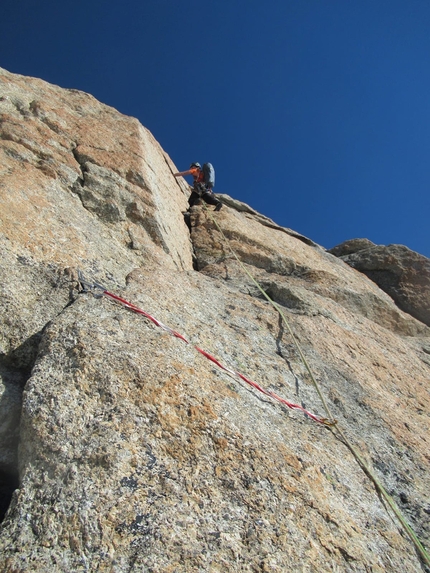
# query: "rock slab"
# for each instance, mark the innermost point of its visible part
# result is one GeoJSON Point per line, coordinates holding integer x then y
{"type": "Point", "coordinates": [137, 453]}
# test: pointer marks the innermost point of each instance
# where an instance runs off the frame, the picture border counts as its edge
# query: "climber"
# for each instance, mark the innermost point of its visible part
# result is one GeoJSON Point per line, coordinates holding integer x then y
{"type": "Point", "coordinates": [204, 181]}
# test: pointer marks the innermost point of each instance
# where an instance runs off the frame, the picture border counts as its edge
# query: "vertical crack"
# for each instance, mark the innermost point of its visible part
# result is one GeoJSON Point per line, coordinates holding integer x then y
{"type": "Point", "coordinates": [13, 377]}
{"type": "Point", "coordinates": [9, 482]}
{"type": "Point", "coordinates": [15, 370]}
{"type": "Point", "coordinates": [80, 181]}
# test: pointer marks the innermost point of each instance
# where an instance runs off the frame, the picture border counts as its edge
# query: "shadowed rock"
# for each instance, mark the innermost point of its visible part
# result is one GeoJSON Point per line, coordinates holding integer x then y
{"type": "Point", "coordinates": [400, 272]}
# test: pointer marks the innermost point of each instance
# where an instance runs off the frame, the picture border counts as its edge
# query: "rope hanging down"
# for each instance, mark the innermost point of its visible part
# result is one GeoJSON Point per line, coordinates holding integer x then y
{"type": "Point", "coordinates": [95, 287]}
{"type": "Point", "coordinates": [335, 427]}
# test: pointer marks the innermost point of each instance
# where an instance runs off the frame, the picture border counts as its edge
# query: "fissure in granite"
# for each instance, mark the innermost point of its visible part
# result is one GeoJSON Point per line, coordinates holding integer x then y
{"type": "Point", "coordinates": [15, 370]}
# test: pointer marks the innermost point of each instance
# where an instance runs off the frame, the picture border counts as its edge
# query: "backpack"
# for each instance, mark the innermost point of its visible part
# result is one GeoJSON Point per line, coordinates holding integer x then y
{"type": "Point", "coordinates": [209, 175]}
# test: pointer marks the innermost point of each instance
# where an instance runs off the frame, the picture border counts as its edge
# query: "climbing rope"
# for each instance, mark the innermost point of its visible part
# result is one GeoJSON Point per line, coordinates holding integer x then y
{"type": "Point", "coordinates": [330, 421]}
{"type": "Point", "coordinates": [285, 321]}
{"type": "Point", "coordinates": [96, 288]}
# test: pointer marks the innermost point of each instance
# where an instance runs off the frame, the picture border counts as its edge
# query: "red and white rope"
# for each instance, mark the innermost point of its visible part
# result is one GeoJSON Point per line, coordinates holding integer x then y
{"type": "Point", "coordinates": [268, 393]}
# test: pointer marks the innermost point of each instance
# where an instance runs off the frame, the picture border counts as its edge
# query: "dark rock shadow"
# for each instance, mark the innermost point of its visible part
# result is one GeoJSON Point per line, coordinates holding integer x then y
{"type": "Point", "coordinates": [280, 352]}
{"type": "Point", "coordinates": [15, 370]}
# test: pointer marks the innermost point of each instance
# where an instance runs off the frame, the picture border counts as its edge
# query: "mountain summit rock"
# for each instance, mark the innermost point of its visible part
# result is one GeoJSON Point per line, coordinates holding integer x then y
{"type": "Point", "coordinates": [122, 448]}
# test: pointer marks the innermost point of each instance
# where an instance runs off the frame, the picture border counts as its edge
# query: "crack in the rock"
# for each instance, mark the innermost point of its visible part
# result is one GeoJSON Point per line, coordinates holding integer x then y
{"type": "Point", "coordinates": [187, 221]}
{"type": "Point", "coordinates": [16, 369]}
{"type": "Point", "coordinates": [114, 211]}
{"type": "Point", "coordinates": [14, 379]}
{"type": "Point", "coordinates": [9, 482]}
{"type": "Point", "coordinates": [20, 107]}
{"type": "Point", "coordinates": [280, 352]}
{"type": "Point", "coordinates": [41, 155]}
{"type": "Point", "coordinates": [80, 180]}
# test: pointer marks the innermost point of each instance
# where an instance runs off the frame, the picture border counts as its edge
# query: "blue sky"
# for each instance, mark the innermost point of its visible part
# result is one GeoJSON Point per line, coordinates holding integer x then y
{"type": "Point", "coordinates": [314, 112]}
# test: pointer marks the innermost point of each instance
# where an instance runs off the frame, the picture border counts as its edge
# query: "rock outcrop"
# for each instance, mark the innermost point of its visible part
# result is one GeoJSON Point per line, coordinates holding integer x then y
{"type": "Point", "coordinates": [400, 272]}
{"type": "Point", "coordinates": [136, 453]}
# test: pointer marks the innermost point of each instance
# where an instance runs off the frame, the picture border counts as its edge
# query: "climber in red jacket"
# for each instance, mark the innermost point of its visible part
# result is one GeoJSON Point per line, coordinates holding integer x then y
{"type": "Point", "coordinates": [204, 181]}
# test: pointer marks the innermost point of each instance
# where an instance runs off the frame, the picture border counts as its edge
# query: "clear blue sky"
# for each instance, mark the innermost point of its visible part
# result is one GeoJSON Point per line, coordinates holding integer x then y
{"type": "Point", "coordinates": [314, 112]}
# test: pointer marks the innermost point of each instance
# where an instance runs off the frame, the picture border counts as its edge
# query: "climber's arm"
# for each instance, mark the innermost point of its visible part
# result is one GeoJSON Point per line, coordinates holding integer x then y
{"type": "Point", "coordinates": [183, 173]}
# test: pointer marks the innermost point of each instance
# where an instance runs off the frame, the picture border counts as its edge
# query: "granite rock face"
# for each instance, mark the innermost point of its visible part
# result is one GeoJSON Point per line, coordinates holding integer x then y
{"type": "Point", "coordinates": [137, 453]}
{"type": "Point", "coordinates": [400, 272]}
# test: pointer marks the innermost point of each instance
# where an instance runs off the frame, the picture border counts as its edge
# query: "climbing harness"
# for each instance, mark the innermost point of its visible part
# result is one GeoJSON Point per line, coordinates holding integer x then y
{"type": "Point", "coordinates": [99, 290]}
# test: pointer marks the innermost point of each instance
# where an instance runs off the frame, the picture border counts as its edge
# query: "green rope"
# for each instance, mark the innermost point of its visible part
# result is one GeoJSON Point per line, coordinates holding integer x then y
{"type": "Point", "coordinates": [331, 422]}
